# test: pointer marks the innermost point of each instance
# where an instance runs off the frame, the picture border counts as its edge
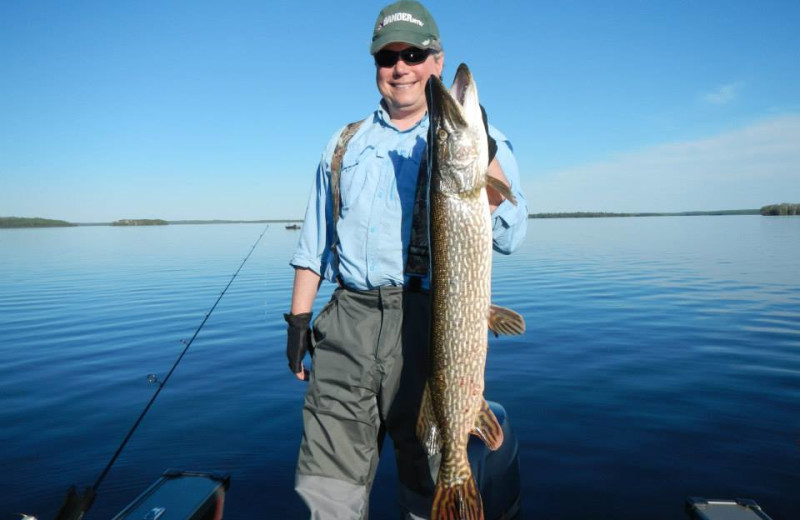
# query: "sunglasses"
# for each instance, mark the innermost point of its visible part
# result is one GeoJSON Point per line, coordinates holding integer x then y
{"type": "Point", "coordinates": [410, 56]}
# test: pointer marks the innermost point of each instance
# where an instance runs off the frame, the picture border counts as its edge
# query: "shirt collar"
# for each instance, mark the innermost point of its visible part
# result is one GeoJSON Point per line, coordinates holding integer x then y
{"type": "Point", "coordinates": [382, 116]}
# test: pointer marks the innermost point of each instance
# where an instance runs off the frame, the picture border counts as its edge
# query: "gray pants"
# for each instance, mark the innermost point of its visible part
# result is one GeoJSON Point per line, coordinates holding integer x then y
{"type": "Point", "coordinates": [369, 367]}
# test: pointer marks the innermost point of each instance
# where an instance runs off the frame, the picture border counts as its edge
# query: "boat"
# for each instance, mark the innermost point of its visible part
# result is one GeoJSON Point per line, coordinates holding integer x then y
{"type": "Point", "coordinates": [192, 495]}
{"type": "Point", "coordinates": [180, 495]}
{"type": "Point", "coordinates": [497, 472]}
{"type": "Point", "coordinates": [293, 226]}
{"type": "Point", "coordinates": [177, 495]}
{"type": "Point", "coordinates": [698, 508]}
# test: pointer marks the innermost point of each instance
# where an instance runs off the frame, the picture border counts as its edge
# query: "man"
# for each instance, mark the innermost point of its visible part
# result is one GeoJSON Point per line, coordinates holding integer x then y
{"type": "Point", "coordinates": [370, 342]}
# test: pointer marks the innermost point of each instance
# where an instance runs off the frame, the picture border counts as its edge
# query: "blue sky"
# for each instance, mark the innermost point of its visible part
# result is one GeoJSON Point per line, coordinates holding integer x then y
{"type": "Point", "coordinates": [184, 110]}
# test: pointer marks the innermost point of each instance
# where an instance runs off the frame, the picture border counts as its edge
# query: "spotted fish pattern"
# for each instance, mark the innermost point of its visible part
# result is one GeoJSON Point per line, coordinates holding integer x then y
{"type": "Point", "coordinates": [453, 406]}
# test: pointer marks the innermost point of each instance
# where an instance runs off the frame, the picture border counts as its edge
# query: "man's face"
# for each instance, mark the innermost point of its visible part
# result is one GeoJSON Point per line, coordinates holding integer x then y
{"type": "Point", "coordinates": [403, 86]}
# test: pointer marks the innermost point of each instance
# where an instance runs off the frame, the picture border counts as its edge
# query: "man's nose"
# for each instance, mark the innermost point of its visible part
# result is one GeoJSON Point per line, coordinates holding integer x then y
{"type": "Point", "coordinates": [400, 68]}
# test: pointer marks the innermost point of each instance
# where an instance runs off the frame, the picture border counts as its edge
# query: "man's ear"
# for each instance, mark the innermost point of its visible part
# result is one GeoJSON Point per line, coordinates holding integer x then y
{"type": "Point", "coordinates": [440, 64]}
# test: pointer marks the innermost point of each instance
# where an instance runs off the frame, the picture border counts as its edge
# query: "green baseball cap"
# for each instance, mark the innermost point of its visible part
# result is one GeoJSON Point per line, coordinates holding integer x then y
{"type": "Point", "coordinates": [408, 22]}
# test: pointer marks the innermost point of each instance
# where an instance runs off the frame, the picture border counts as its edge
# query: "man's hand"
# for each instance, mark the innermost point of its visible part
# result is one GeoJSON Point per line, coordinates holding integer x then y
{"type": "Point", "coordinates": [298, 342]}
{"type": "Point", "coordinates": [495, 197]}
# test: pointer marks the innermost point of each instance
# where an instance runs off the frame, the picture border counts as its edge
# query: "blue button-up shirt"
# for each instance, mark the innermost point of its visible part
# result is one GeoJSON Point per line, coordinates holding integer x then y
{"type": "Point", "coordinates": [378, 185]}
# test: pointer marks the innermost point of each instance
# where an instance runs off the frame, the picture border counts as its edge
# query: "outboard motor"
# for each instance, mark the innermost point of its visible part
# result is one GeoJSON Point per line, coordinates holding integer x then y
{"type": "Point", "coordinates": [497, 472]}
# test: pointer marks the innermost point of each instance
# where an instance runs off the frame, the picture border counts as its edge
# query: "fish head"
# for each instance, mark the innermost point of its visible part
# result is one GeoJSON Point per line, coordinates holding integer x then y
{"type": "Point", "coordinates": [458, 153]}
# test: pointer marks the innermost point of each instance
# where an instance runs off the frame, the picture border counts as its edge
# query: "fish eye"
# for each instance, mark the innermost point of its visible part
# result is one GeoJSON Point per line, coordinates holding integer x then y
{"type": "Point", "coordinates": [442, 133]}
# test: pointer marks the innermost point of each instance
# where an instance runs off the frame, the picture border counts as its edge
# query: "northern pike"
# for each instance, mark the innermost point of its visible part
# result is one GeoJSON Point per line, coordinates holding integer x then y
{"type": "Point", "coordinates": [460, 232]}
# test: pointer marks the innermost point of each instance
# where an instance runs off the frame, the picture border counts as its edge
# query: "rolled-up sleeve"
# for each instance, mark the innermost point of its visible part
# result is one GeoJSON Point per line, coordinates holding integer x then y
{"type": "Point", "coordinates": [313, 247]}
{"type": "Point", "coordinates": [509, 222]}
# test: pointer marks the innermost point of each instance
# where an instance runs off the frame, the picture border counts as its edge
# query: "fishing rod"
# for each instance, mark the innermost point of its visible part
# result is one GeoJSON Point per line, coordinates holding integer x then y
{"type": "Point", "coordinates": [75, 506]}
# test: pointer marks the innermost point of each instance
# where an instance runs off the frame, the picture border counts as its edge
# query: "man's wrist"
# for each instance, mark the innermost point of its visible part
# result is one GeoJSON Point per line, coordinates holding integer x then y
{"type": "Point", "coordinates": [298, 321]}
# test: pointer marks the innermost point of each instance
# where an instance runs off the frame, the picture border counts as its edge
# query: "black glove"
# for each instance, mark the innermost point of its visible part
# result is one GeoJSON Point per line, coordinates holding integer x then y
{"type": "Point", "coordinates": [490, 140]}
{"type": "Point", "coordinates": [298, 339]}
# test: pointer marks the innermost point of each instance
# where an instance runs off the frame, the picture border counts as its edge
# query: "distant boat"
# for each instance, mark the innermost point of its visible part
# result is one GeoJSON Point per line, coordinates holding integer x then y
{"type": "Point", "coordinates": [293, 226]}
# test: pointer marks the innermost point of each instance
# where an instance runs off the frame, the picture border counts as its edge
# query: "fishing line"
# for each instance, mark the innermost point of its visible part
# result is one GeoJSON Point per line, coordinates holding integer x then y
{"type": "Point", "coordinates": [174, 366]}
{"type": "Point", "coordinates": [91, 492]}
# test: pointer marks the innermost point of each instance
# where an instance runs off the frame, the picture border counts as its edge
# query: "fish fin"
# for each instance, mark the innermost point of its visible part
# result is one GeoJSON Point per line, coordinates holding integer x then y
{"type": "Point", "coordinates": [505, 321]}
{"type": "Point", "coordinates": [487, 428]}
{"type": "Point", "coordinates": [501, 188]}
{"type": "Point", "coordinates": [427, 427]}
{"type": "Point", "coordinates": [460, 501]}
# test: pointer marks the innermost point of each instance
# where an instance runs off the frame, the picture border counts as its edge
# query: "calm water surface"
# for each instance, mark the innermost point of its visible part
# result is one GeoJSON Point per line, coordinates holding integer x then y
{"type": "Point", "coordinates": [662, 360]}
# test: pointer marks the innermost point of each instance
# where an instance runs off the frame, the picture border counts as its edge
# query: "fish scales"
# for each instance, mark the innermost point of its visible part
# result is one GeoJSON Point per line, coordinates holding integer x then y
{"type": "Point", "coordinates": [461, 264]}
{"type": "Point", "coordinates": [460, 234]}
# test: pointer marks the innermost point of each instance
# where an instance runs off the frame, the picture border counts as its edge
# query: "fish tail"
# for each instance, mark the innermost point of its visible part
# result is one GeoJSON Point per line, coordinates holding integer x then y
{"type": "Point", "coordinates": [457, 502]}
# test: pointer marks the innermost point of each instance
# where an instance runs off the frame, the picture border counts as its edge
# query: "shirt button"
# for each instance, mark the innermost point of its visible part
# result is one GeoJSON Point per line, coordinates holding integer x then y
{"type": "Point", "coordinates": [372, 229]}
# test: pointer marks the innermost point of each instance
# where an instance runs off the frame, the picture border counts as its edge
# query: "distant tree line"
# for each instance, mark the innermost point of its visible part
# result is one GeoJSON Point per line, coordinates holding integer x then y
{"type": "Point", "coordinates": [781, 209]}
{"type": "Point", "coordinates": [600, 214]}
{"type": "Point", "coordinates": [23, 222]}
{"type": "Point", "coordinates": [140, 222]}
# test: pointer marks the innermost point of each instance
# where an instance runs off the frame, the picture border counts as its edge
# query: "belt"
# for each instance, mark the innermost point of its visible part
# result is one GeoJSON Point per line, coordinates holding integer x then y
{"type": "Point", "coordinates": [414, 285]}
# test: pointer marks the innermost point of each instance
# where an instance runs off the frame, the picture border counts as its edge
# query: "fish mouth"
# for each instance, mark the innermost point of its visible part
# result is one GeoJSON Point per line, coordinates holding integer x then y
{"type": "Point", "coordinates": [451, 105]}
{"type": "Point", "coordinates": [463, 84]}
{"type": "Point", "coordinates": [443, 109]}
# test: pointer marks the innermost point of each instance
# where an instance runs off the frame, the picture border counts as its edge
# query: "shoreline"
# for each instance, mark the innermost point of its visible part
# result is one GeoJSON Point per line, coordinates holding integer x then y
{"type": "Point", "coordinates": [603, 214]}
{"type": "Point", "coordinates": [29, 223]}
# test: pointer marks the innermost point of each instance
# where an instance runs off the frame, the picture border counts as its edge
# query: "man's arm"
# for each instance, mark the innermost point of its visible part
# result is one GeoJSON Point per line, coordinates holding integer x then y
{"type": "Point", "coordinates": [509, 221]}
{"type": "Point", "coordinates": [495, 197]}
{"type": "Point", "coordinates": [308, 261]}
{"type": "Point", "coordinates": [306, 284]}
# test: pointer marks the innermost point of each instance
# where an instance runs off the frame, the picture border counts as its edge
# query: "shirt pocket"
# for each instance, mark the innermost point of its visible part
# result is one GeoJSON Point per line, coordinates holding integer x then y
{"type": "Point", "coordinates": [353, 178]}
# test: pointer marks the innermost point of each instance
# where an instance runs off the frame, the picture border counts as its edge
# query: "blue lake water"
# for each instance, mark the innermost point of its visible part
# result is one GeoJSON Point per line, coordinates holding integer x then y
{"type": "Point", "coordinates": [662, 360]}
